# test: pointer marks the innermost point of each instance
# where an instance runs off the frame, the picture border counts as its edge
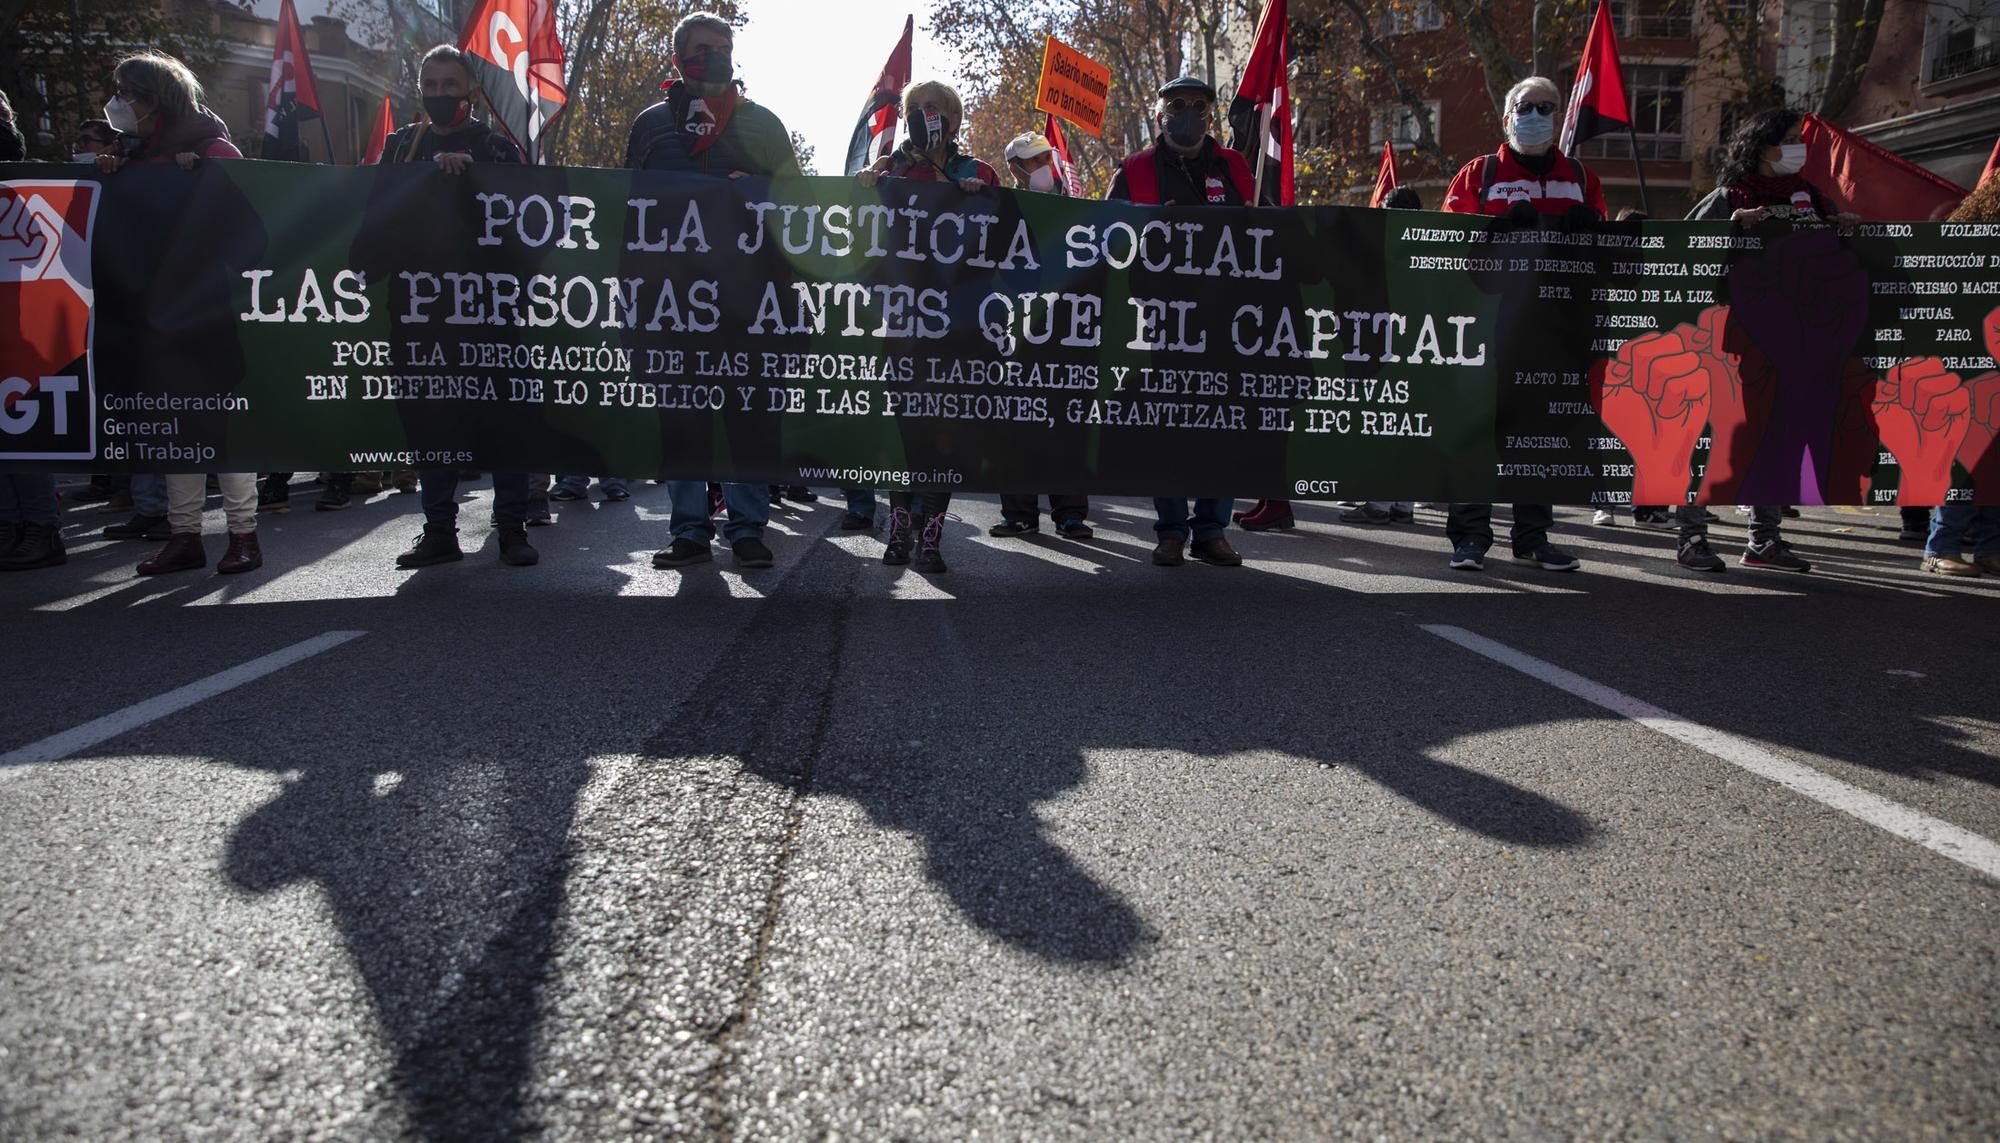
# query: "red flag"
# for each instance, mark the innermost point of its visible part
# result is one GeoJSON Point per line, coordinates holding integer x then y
{"type": "Point", "coordinates": [1597, 104]}
{"type": "Point", "coordinates": [385, 126]}
{"type": "Point", "coordinates": [1260, 117]}
{"type": "Point", "coordinates": [1992, 164]}
{"type": "Point", "coordinates": [1072, 179]}
{"type": "Point", "coordinates": [1880, 186]}
{"type": "Point", "coordinates": [517, 60]}
{"type": "Point", "coordinates": [1385, 179]}
{"type": "Point", "coordinates": [290, 95]}
{"type": "Point", "coordinates": [875, 131]}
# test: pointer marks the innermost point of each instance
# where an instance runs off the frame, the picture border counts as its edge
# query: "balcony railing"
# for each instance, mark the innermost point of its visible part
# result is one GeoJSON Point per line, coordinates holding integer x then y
{"type": "Point", "coordinates": [1965, 61]}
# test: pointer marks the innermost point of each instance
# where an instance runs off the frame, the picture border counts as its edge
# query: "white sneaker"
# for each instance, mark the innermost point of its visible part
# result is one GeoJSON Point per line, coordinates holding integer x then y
{"type": "Point", "coordinates": [1604, 516]}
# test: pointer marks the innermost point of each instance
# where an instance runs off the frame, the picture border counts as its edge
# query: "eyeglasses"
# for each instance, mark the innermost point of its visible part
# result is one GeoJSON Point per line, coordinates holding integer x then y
{"type": "Point", "coordinates": [1176, 106]}
{"type": "Point", "coordinates": [1544, 107]}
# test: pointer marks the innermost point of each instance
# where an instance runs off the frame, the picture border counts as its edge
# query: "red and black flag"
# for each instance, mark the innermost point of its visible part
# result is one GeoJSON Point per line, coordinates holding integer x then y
{"type": "Point", "coordinates": [875, 132]}
{"type": "Point", "coordinates": [517, 61]}
{"type": "Point", "coordinates": [1260, 117]}
{"type": "Point", "coordinates": [1072, 179]}
{"type": "Point", "coordinates": [291, 97]}
{"type": "Point", "coordinates": [1597, 104]}
{"type": "Point", "coordinates": [1385, 179]}
{"type": "Point", "coordinates": [1992, 164]}
{"type": "Point", "coordinates": [385, 126]}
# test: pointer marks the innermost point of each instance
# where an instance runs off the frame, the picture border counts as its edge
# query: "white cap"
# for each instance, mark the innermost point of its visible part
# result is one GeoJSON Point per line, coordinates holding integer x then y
{"type": "Point", "coordinates": [1026, 146]}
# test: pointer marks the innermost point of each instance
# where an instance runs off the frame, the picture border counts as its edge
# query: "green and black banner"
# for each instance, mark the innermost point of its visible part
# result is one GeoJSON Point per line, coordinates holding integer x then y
{"type": "Point", "coordinates": [255, 316]}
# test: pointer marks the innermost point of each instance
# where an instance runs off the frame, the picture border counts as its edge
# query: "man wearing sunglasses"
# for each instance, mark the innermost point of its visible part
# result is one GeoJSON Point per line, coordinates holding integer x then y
{"type": "Point", "coordinates": [1185, 166]}
{"type": "Point", "coordinates": [1527, 180]}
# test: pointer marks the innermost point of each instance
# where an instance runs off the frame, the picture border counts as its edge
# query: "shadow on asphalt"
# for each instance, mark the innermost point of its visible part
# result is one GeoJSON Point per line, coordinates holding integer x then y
{"type": "Point", "coordinates": [445, 863]}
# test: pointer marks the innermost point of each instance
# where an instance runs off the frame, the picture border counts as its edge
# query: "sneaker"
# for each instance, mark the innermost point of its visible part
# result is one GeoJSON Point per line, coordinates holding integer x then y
{"type": "Point", "coordinates": [716, 500]}
{"type": "Point", "coordinates": [405, 480]}
{"type": "Point", "coordinates": [1957, 567]}
{"type": "Point", "coordinates": [140, 527]}
{"type": "Point", "coordinates": [682, 553]}
{"type": "Point", "coordinates": [1604, 517]}
{"type": "Point", "coordinates": [800, 493]}
{"type": "Point", "coordinates": [1548, 557]}
{"type": "Point", "coordinates": [333, 499]}
{"type": "Point", "coordinates": [896, 550]}
{"type": "Point", "coordinates": [1402, 516]}
{"type": "Point", "coordinates": [1215, 553]}
{"type": "Point", "coordinates": [1776, 555]}
{"type": "Point", "coordinates": [564, 492]}
{"type": "Point", "coordinates": [1074, 530]}
{"type": "Point", "coordinates": [929, 559]}
{"type": "Point", "coordinates": [1366, 514]}
{"type": "Point", "coordinates": [1659, 520]}
{"type": "Point", "coordinates": [856, 522]}
{"type": "Point", "coordinates": [538, 511]}
{"type": "Point", "coordinates": [750, 552]}
{"type": "Point", "coordinates": [614, 493]}
{"type": "Point", "coordinates": [1696, 556]}
{"type": "Point", "coordinates": [1170, 552]}
{"type": "Point", "coordinates": [1789, 512]}
{"type": "Point", "coordinates": [437, 545]}
{"type": "Point", "coordinates": [274, 502]}
{"type": "Point", "coordinates": [1468, 556]}
{"type": "Point", "coordinates": [515, 550]}
{"type": "Point", "coordinates": [1008, 529]}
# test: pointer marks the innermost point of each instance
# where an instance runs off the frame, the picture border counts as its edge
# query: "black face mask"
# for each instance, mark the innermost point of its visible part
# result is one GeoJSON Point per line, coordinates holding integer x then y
{"type": "Point", "coordinates": [1187, 128]}
{"type": "Point", "coordinates": [710, 69]}
{"type": "Point", "coordinates": [446, 110]}
{"type": "Point", "coordinates": [922, 138]}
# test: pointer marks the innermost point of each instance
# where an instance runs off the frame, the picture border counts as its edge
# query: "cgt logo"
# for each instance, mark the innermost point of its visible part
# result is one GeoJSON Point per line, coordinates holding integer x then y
{"type": "Point", "coordinates": [47, 390]}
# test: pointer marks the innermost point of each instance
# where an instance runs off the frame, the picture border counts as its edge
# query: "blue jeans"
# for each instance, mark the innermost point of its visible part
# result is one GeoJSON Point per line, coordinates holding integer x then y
{"type": "Point", "coordinates": [28, 497]}
{"type": "Point", "coordinates": [749, 511]}
{"type": "Point", "coordinates": [1957, 526]}
{"type": "Point", "coordinates": [149, 494]}
{"type": "Point", "coordinates": [860, 501]}
{"type": "Point", "coordinates": [581, 484]}
{"type": "Point", "coordinates": [1208, 520]}
{"type": "Point", "coordinates": [440, 496]}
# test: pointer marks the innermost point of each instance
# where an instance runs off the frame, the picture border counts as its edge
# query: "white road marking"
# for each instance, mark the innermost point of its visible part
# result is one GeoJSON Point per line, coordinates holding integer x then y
{"type": "Point", "coordinates": [14, 763]}
{"type": "Point", "coordinates": [76, 601]}
{"type": "Point", "coordinates": [1961, 845]}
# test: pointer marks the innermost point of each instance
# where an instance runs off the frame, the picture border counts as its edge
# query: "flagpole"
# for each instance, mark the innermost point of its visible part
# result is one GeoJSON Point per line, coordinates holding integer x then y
{"type": "Point", "coordinates": [1638, 168]}
{"type": "Point", "coordinates": [328, 132]}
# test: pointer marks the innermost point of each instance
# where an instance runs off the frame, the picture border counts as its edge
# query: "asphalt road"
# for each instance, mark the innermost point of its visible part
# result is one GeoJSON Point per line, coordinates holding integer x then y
{"type": "Point", "coordinates": [1056, 845]}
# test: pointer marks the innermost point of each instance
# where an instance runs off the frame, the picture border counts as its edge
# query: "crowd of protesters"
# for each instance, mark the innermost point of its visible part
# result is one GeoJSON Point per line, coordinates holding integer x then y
{"type": "Point", "coordinates": [707, 126]}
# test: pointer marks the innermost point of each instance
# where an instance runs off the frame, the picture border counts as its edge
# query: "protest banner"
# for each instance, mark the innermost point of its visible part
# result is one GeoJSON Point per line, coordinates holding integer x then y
{"type": "Point", "coordinates": [1073, 86]}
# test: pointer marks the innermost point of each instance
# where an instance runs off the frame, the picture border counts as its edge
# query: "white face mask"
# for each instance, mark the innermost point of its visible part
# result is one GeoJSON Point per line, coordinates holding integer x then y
{"type": "Point", "coordinates": [121, 116]}
{"type": "Point", "coordinates": [1791, 159]}
{"type": "Point", "coordinates": [1042, 178]}
{"type": "Point", "coordinates": [1531, 133]}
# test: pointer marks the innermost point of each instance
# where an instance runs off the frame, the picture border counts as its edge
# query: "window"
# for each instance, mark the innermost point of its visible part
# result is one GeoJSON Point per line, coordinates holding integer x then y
{"type": "Point", "coordinates": [1413, 16]}
{"type": "Point", "coordinates": [1659, 116]}
{"type": "Point", "coordinates": [1654, 19]}
{"type": "Point", "coordinates": [1398, 124]}
{"type": "Point", "coordinates": [1963, 38]}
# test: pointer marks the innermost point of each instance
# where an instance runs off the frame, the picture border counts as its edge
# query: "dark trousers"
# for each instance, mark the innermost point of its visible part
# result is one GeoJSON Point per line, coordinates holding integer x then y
{"type": "Point", "coordinates": [1474, 522]}
{"type": "Point", "coordinates": [1766, 524]}
{"type": "Point", "coordinates": [440, 496]}
{"type": "Point", "coordinates": [925, 504]}
{"type": "Point", "coordinates": [1026, 509]}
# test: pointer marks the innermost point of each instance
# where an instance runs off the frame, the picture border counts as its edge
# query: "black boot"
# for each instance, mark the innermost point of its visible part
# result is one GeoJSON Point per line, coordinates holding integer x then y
{"type": "Point", "coordinates": [38, 546]}
{"type": "Point", "coordinates": [930, 531]}
{"type": "Point", "coordinates": [438, 545]}
{"type": "Point", "coordinates": [515, 550]}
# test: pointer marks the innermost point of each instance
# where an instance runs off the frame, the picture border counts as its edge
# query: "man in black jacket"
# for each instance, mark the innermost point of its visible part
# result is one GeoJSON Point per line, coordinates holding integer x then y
{"type": "Point", "coordinates": [706, 126]}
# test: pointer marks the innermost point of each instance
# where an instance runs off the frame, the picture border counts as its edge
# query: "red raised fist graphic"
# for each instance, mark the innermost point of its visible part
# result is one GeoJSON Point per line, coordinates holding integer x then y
{"type": "Point", "coordinates": [1977, 452]}
{"type": "Point", "coordinates": [1655, 396]}
{"type": "Point", "coordinates": [1742, 387]}
{"type": "Point", "coordinates": [1922, 410]}
{"type": "Point", "coordinates": [1992, 331]}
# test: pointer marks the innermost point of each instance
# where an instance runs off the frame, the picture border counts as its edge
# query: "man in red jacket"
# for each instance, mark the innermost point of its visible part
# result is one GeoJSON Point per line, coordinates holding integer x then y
{"type": "Point", "coordinates": [1528, 179]}
{"type": "Point", "coordinates": [1185, 166]}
